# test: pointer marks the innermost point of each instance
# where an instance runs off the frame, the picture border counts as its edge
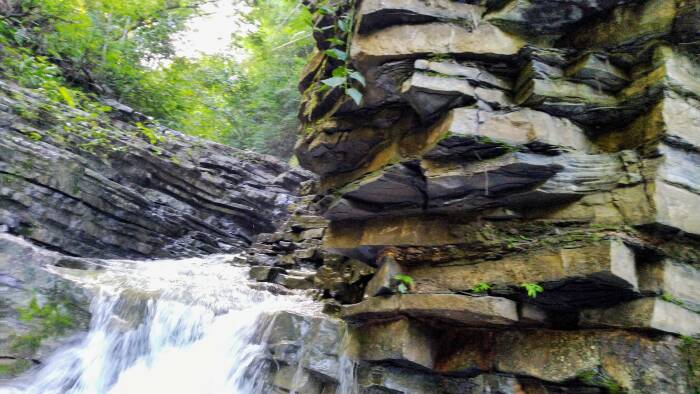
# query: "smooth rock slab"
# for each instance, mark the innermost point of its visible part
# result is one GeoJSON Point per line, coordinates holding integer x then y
{"type": "Point", "coordinates": [631, 361]}
{"type": "Point", "coordinates": [405, 41]}
{"type": "Point", "coordinates": [454, 308]}
{"type": "Point", "coordinates": [601, 273]}
{"type": "Point", "coordinates": [400, 341]}
{"type": "Point", "coordinates": [646, 313]}
{"type": "Point", "coordinates": [377, 14]}
{"type": "Point", "coordinates": [471, 73]}
{"type": "Point", "coordinates": [679, 281]}
{"type": "Point", "coordinates": [518, 127]}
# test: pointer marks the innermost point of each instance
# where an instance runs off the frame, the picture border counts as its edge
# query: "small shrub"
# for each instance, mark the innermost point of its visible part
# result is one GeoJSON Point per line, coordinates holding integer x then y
{"type": "Point", "coordinates": [481, 288]}
{"type": "Point", "coordinates": [532, 289]}
{"type": "Point", "coordinates": [404, 283]}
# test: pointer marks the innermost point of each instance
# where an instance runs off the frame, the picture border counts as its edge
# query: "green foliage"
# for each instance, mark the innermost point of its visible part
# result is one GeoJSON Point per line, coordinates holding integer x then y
{"type": "Point", "coordinates": [149, 133]}
{"type": "Point", "coordinates": [69, 47]}
{"type": "Point", "coordinates": [481, 288]}
{"type": "Point", "coordinates": [14, 368]}
{"type": "Point", "coordinates": [532, 289]}
{"type": "Point", "coordinates": [598, 379]}
{"type": "Point", "coordinates": [51, 319]}
{"type": "Point", "coordinates": [342, 76]}
{"type": "Point", "coordinates": [403, 283]}
{"type": "Point", "coordinates": [262, 103]}
{"type": "Point", "coordinates": [670, 298]}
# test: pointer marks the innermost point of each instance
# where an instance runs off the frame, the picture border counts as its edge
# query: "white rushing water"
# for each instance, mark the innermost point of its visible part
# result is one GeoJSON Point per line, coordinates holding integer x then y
{"type": "Point", "coordinates": [171, 326]}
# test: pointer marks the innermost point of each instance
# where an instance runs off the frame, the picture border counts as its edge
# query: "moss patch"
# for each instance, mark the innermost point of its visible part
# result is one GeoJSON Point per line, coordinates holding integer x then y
{"type": "Point", "coordinates": [50, 319]}
{"type": "Point", "coordinates": [12, 367]}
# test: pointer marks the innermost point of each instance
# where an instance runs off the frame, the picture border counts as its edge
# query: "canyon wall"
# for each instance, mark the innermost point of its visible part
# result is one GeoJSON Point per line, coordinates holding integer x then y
{"type": "Point", "coordinates": [514, 200]}
{"type": "Point", "coordinates": [108, 185]}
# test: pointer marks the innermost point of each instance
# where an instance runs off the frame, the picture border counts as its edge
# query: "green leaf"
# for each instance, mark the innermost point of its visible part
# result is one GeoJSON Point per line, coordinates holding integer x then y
{"type": "Point", "coordinates": [481, 288]}
{"type": "Point", "coordinates": [334, 82]}
{"type": "Point", "coordinates": [66, 96]}
{"type": "Point", "coordinates": [341, 71]}
{"type": "Point", "coordinates": [336, 54]}
{"type": "Point", "coordinates": [406, 279]}
{"type": "Point", "coordinates": [355, 95]}
{"type": "Point", "coordinates": [336, 41]}
{"type": "Point", "coordinates": [532, 289]}
{"type": "Point", "coordinates": [344, 25]}
{"type": "Point", "coordinates": [357, 76]}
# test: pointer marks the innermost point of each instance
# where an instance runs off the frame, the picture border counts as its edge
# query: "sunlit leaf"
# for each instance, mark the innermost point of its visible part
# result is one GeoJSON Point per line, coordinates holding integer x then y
{"type": "Point", "coordinates": [358, 77]}
{"type": "Point", "coordinates": [66, 96]}
{"type": "Point", "coordinates": [336, 54]}
{"type": "Point", "coordinates": [336, 41]}
{"type": "Point", "coordinates": [341, 71]}
{"type": "Point", "coordinates": [334, 82]}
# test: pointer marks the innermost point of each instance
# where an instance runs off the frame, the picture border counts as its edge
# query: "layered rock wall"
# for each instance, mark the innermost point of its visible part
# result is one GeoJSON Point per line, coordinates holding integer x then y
{"type": "Point", "coordinates": [109, 185]}
{"type": "Point", "coordinates": [531, 172]}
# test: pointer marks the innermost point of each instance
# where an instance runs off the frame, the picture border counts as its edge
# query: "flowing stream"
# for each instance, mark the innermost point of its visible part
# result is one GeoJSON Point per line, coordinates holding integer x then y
{"type": "Point", "coordinates": [169, 326]}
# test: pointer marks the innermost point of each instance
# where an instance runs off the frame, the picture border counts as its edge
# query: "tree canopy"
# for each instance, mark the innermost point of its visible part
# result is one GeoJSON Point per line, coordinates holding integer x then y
{"type": "Point", "coordinates": [124, 49]}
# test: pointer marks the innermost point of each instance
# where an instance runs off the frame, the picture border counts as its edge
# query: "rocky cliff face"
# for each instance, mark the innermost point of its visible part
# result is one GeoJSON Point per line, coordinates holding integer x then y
{"type": "Point", "coordinates": [531, 171]}
{"type": "Point", "coordinates": [109, 186]}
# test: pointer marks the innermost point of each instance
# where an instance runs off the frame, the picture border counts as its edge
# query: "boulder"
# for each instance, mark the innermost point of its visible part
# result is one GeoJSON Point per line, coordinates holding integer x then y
{"type": "Point", "coordinates": [28, 274]}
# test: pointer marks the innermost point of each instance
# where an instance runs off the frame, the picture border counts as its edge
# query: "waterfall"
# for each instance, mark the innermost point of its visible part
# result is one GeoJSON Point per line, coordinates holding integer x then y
{"type": "Point", "coordinates": [177, 326]}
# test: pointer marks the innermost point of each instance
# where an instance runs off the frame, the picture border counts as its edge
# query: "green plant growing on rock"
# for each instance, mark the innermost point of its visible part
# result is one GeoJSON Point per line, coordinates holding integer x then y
{"type": "Point", "coordinates": [670, 298]}
{"type": "Point", "coordinates": [532, 289]}
{"type": "Point", "coordinates": [598, 379]}
{"type": "Point", "coordinates": [150, 134]}
{"type": "Point", "coordinates": [14, 368]}
{"type": "Point", "coordinates": [482, 287]}
{"type": "Point", "coordinates": [344, 75]}
{"type": "Point", "coordinates": [403, 283]}
{"type": "Point", "coordinates": [52, 319]}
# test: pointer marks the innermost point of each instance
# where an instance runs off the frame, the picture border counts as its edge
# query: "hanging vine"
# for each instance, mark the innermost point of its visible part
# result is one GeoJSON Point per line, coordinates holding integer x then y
{"type": "Point", "coordinates": [343, 76]}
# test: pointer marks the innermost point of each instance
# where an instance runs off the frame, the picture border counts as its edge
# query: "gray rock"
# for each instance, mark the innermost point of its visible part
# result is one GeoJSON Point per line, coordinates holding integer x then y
{"type": "Point", "coordinates": [26, 274]}
{"type": "Point", "coordinates": [382, 282]}
{"type": "Point", "coordinates": [123, 196]}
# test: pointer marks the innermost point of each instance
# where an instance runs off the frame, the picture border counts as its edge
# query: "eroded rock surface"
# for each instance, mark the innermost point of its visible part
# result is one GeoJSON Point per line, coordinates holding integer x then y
{"type": "Point", "coordinates": [524, 177]}
{"type": "Point", "coordinates": [95, 186]}
{"type": "Point", "coordinates": [27, 276]}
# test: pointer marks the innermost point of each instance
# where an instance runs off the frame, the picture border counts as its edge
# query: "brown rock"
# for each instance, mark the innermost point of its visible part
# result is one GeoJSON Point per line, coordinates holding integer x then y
{"type": "Point", "coordinates": [452, 308]}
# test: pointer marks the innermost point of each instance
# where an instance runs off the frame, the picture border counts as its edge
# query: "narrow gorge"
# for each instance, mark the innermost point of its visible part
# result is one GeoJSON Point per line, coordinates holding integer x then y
{"type": "Point", "coordinates": [496, 196]}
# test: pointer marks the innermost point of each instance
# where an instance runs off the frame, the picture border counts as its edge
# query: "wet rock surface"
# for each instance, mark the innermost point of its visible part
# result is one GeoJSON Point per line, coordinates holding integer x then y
{"type": "Point", "coordinates": [27, 276]}
{"type": "Point", "coordinates": [101, 186]}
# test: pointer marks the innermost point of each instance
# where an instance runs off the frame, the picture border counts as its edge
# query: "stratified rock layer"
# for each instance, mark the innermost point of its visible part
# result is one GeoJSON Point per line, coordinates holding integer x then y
{"type": "Point", "coordinates": [94, 186]}
{"type": "Point", "coordinates": [524, 177]}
